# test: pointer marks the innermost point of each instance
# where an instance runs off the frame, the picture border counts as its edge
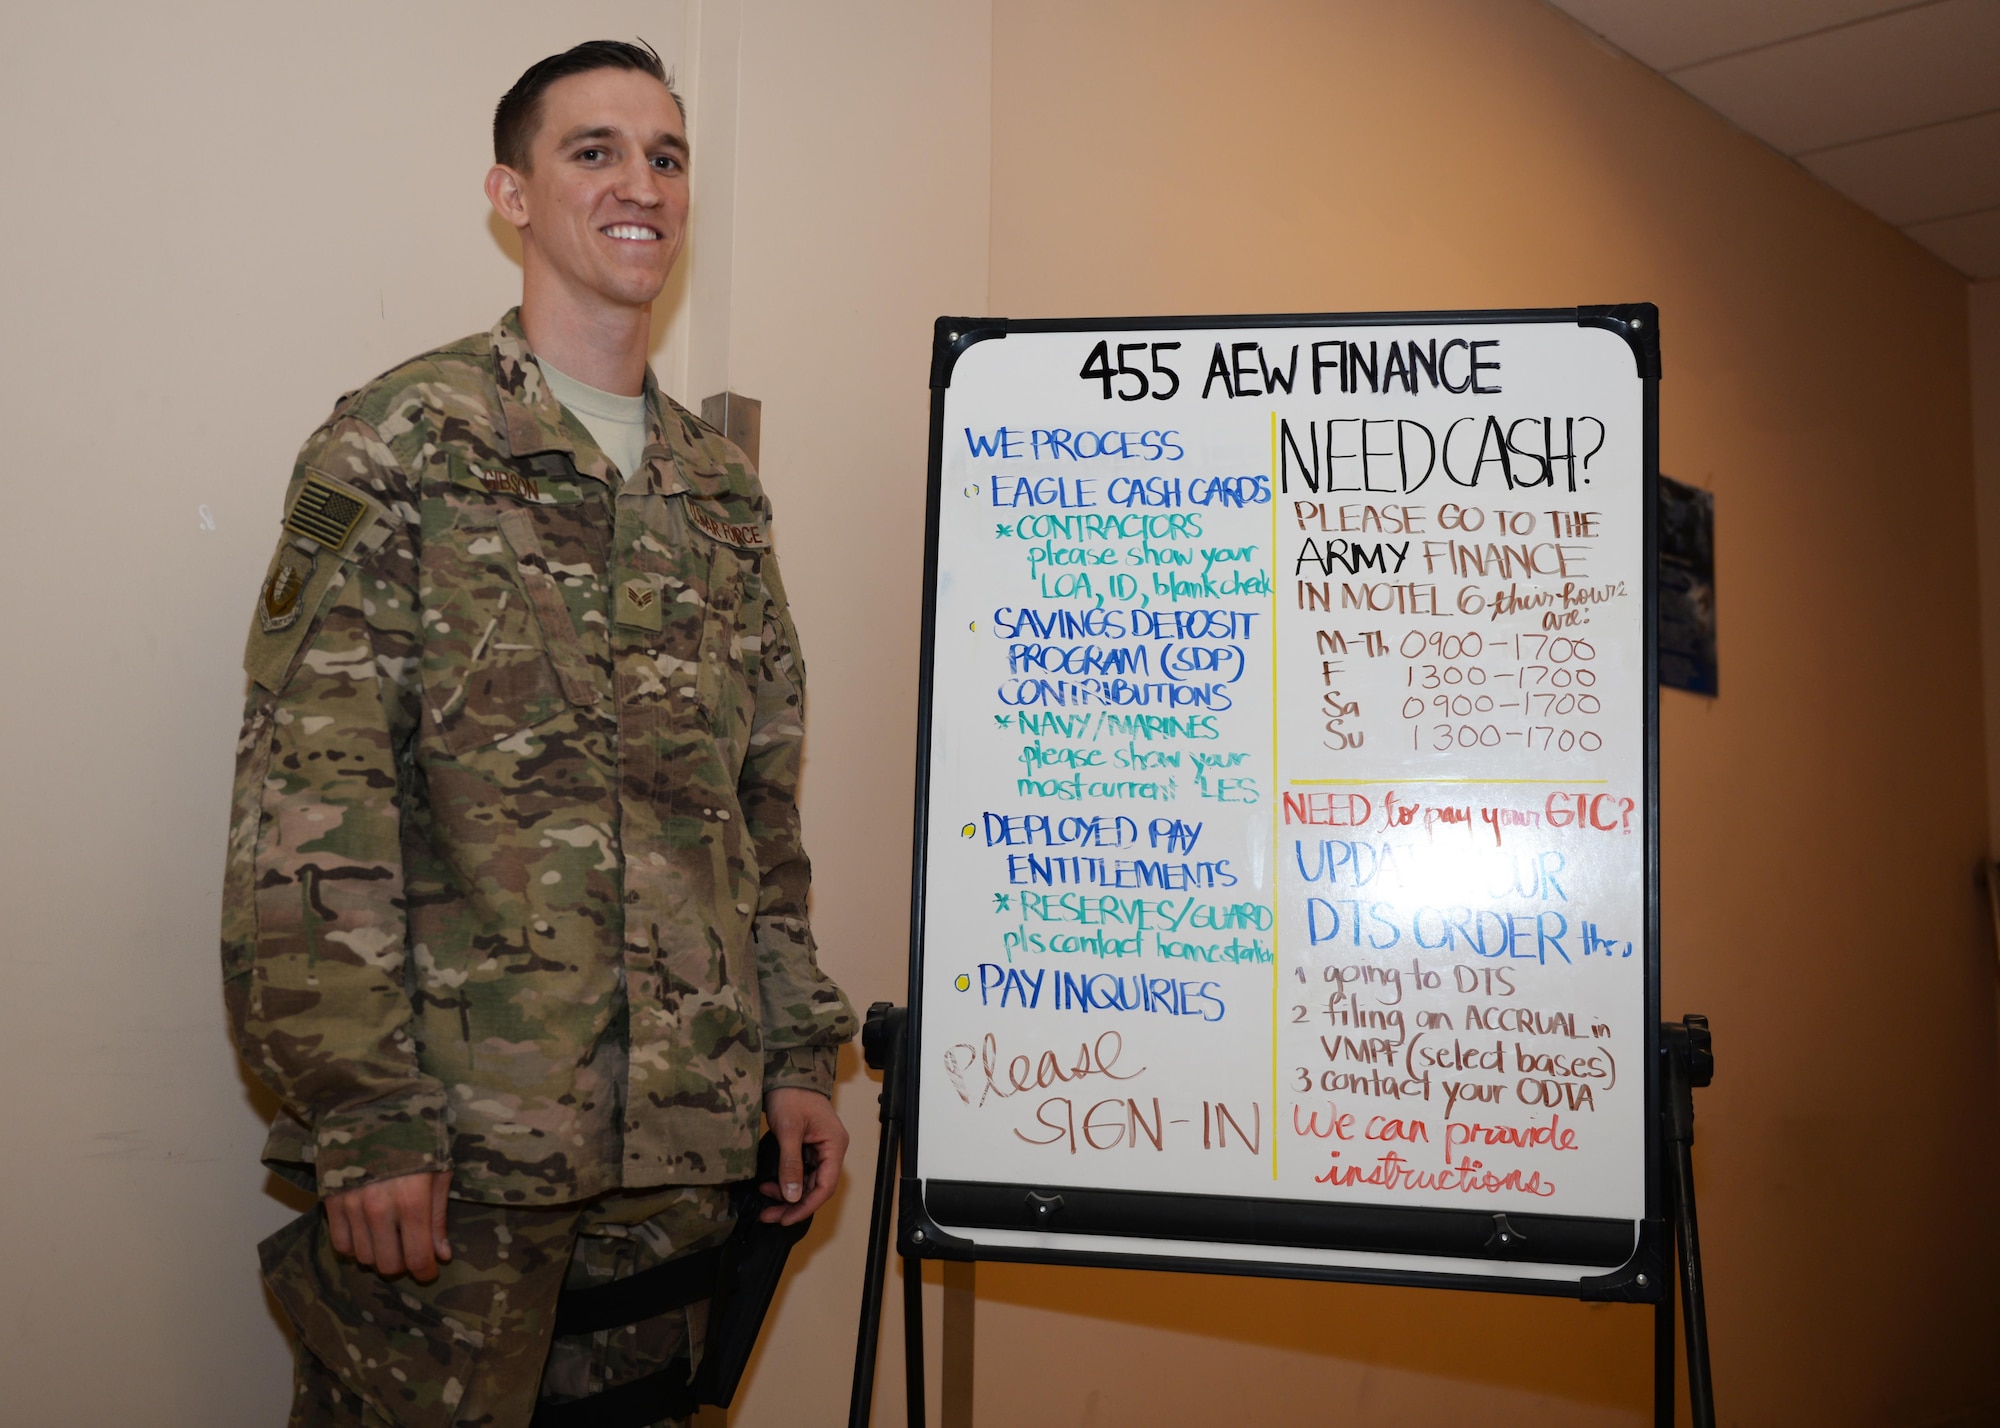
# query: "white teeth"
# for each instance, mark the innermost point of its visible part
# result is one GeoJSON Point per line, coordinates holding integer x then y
{"type": "Point", "coordinates": [631, 230]}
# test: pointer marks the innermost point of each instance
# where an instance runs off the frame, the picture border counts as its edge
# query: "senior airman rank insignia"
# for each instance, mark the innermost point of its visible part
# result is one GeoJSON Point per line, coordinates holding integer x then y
{"type": "Point", "coordinates": [279, 609]}
{"type": "Point", "coordinates": [639, 603]}
{"type": "Point", "coordinates": [323, 512]}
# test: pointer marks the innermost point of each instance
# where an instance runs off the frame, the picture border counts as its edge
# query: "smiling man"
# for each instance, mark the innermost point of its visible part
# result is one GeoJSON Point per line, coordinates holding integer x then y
{"type": "Point", "coordinates": [515, 910]}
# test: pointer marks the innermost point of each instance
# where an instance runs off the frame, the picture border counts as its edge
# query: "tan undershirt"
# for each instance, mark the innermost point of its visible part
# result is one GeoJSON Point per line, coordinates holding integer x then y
{"type": "Point", "coordinates": [617, 424]}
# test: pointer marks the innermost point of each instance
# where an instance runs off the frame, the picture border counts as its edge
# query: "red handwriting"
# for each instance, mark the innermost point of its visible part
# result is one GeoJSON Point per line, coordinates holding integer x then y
{"type": "Point", "coordinates": [1392, 1172]}
{"type": "Point", "coordinates": [1341, 1124]}
{"type": "Point", "coordinates": [1584, 812]}
{"type": "Point", "coordinates": [1553, 1136]}
{"type": "Point", "coordinates": [1338, 1123]}
{"type": "Point", "coordinates": [1093, 1058]}
{"type": "Point", "coordinates": [1590, 812]}
{"type": "Point", "coordinates": [1329, 810]}
{"type": "Point", "coordinates": [1106, 1125]}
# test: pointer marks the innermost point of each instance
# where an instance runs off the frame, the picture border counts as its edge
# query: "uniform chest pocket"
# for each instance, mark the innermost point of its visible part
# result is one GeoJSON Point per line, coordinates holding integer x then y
{"type": "Point", "coordinates": [720, 614]}
{"type": "Point", "coordinates": [727, 649]}
{"type": "Point", "coordinates": [501, 652]}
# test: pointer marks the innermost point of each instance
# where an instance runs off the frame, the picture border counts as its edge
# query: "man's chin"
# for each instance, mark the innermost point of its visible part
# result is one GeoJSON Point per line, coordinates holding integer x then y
{"type": "Point", "coordinates": [636, 289]}
{"type": "Point", "coordinates": [627, 292]}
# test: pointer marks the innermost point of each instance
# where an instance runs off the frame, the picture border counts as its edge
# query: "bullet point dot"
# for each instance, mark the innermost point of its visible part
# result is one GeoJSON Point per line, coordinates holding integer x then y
{"type": "Point", "coordinates": [964, 983]}
{"type": "Point", "coordinates": [972, 624]}
{"type": "Point", "coordinates": [968, 830]}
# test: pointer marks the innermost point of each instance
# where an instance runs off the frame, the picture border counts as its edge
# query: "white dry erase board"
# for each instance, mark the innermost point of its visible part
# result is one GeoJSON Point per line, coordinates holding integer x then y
{"type": "Point", "coordinates": [1285, 892]}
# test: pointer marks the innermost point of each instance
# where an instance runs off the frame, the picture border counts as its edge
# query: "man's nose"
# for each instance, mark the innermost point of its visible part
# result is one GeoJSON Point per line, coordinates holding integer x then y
{"type": "Point", "coordinates": [640, 184]}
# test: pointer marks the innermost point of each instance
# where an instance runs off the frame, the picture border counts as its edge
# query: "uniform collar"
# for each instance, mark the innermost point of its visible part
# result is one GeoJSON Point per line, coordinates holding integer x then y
{"type": "Point", "coordinates": [530, 419]}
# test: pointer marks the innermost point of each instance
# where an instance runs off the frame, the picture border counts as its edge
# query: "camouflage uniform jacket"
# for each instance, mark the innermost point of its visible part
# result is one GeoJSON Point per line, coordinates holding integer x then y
{"type": "Point", "coordinates": [515, 883]}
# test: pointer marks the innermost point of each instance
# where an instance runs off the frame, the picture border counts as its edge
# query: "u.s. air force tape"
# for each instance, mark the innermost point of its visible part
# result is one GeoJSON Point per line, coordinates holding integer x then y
{"type": "Point", "coordinates": [323, 512]}
{"type": "Point", "coordinates": [742, 535]}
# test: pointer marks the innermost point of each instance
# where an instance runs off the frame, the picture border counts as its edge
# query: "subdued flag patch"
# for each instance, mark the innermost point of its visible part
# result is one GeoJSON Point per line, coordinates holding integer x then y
{"type": "Point", "coordinates": [323, 512]}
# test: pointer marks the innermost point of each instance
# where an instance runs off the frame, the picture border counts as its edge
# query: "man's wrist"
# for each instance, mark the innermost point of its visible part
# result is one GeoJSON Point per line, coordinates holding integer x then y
{"type": "Point", "coordinates": [380, 1140]}
{"type": "Point", "coordinates": [807, 1068]}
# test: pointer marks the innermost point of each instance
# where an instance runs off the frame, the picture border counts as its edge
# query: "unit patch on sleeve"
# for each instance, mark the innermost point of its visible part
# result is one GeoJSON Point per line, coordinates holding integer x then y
{"type": "Point", "coordinates": [324, 512]}
{"type": "Point", "coordinates": [279, 608]}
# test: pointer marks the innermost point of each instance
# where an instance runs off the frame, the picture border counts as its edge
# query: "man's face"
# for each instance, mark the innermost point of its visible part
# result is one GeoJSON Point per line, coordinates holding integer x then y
{"type": "Point", "coordinates": [605, 200]}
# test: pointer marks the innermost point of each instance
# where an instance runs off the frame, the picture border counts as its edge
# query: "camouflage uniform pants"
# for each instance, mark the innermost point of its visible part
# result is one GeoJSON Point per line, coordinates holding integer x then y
{"type": "Point", "coordinates": [474, 1348]}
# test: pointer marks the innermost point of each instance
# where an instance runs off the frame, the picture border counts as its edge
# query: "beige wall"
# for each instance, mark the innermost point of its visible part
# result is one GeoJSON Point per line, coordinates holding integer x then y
{"type": "Point", "coordinates": [227, 213]}
{"type": "Point", "coordinates": [861, 216]}
{"type": "Point", "coordinates": [224, 214]}
{"type": "Point", "coordinates": [221, 215]}
{"type": "Point", "coordinates": [1821, 819]}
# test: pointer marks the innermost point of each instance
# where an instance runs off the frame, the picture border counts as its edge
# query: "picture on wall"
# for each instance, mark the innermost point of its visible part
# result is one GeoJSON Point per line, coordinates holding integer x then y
{"type": "Point", "coordinates": [1687, 588]}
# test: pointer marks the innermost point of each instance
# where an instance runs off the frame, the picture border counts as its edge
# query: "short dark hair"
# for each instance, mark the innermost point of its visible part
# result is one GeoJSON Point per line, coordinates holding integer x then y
{"type": "Point", "coordinates": [519, 112]}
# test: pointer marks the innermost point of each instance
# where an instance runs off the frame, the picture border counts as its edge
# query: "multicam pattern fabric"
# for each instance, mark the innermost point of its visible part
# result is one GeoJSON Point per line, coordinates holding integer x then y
{"type": "Point", "coordinates": [624, 1235]}
{"type": "Point", "coordinates": [474, 1348]}
{"type": "Point", "coordinates": [515, 883]}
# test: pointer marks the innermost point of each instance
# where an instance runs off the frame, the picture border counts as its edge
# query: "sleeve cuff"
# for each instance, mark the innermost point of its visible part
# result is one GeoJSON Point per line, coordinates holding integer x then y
{"type": "Point", "coordinates": [809, 1068]}
{"type": "Point", "coordinates": [381, 1140]}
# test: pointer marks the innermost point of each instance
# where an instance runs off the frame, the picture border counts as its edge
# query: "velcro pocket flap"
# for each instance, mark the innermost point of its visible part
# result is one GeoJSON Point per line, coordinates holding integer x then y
{"type": "Point", "coordinates": [551, 613]}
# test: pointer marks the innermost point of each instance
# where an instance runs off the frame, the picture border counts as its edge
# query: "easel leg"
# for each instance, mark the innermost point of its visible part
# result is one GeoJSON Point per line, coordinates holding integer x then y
{"type": "Point", "coordinates": [862, 1403]}
{"type": "Point", "coordinates": [1690, 1062]}
{"type": "Point", "coordinates": [913, 1339]}
{"type": "Point", "coordinates": [1701, 1392]}
{"type": "Point", "coordinates": [882, 1044]}
{"type": "Point", "coordinates": [1663, 1355]}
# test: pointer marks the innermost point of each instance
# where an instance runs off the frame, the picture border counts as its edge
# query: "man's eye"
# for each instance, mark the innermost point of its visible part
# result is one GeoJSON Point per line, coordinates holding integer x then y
{"type": "Point", "coordinates": [666, 163]}
{"type": "Point", "coordinates": [590, 156]}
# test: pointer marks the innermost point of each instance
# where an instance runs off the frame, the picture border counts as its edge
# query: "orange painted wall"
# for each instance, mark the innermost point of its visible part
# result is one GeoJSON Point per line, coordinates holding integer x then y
{"type": "Point", "coordinates": [1821, 819]}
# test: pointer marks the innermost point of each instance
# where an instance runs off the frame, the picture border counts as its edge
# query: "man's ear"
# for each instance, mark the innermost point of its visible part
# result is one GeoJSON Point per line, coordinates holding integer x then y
{"type": "Point", "coordinates": [504, 192]}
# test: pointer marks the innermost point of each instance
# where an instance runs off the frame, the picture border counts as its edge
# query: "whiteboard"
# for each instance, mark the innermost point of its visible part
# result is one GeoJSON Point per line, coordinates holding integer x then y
{"type": "Point", "coordinates": [1285, 897]}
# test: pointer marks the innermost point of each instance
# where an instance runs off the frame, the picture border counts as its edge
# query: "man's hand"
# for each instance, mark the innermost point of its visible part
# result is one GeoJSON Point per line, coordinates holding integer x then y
{"type": "Point", "coordinates": [394, 1225]}
{"type": "Point", "coordinates": [800, 1118]}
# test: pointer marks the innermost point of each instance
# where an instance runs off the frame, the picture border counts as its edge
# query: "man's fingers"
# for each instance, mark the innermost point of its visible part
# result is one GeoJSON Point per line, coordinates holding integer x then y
{"type": "Point", "coordinates": [385, 1230]}
{"type": "Point", "coordinates": [336, 1225]}
{"type": "Point", "coordinates": [412, 1197]}
{"type": "Point", "coordinates": [393, 1225]}
{"type": "Point", "coordinates": [826, 1175]}
{"type": "Point", "coordinates": [358, 1231]}
{"type": "Point", "coordinates": [791, 1163]}
{"type": "Point", "coordinates": [440, 1198]}
{"type": "Point", "coordinates": [803, 1117]}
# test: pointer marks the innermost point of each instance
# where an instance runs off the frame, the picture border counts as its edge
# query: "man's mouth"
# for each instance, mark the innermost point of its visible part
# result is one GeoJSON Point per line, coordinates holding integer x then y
{"type": "Point", "coordinates": [632, 232]}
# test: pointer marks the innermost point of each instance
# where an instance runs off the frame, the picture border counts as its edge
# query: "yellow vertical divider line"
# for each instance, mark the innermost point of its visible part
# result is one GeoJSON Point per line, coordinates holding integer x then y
{"type": "Point", "coordinates": [1277, 966]}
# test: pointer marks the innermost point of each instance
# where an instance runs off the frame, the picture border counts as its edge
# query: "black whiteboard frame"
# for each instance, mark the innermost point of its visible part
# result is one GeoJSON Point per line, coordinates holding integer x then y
{"type": "Point", "coordinates": [1643, 1277]}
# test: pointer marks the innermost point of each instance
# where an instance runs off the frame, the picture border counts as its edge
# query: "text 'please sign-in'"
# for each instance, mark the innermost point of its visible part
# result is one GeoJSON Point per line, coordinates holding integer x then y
{"type": "Point", "coordinates": [1286, 829]}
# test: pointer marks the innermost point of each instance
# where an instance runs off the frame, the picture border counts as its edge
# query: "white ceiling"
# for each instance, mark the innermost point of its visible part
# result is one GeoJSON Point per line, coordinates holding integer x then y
{"type": "Point", "coordinates": [1895, 104]}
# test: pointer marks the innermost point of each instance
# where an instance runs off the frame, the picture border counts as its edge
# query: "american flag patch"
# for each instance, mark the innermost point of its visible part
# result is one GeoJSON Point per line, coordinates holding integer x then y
{"type": "Point", "coordinates": [325, 513]}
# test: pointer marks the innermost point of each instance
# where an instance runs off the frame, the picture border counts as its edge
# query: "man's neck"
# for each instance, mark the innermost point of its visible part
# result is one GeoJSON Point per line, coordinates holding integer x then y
{"type": "Point", "coordinates": [600, 344]}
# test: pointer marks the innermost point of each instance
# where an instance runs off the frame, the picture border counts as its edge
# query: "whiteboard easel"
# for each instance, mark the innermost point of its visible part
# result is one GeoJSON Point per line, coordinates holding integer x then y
{"type": "Point", "coordinates": [1285, 898]}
